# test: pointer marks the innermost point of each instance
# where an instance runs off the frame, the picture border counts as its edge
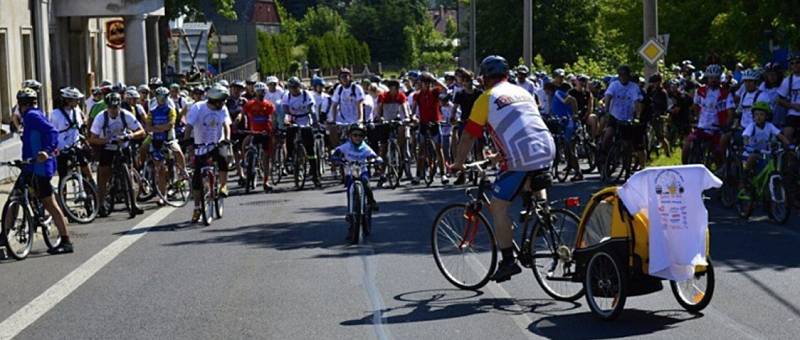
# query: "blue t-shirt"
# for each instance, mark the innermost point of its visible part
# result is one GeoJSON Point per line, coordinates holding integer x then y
{"type": "Point", "coordinates": [559, 107]}
{"type": "Point", "coordinates": [39, 135]}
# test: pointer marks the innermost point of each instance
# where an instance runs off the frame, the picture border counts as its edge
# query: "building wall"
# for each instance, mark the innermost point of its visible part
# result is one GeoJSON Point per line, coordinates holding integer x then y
{"type": "Point", "coordinates": [15, 19]}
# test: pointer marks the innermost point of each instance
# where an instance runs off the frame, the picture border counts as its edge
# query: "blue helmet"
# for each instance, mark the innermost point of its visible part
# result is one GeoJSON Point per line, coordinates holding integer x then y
{"type": "Point", "coordinates": [317, 81]}
{"type": "Point", "coordinates": [494, 65]}
{"type": "Point", "coordinates": [414, 75]}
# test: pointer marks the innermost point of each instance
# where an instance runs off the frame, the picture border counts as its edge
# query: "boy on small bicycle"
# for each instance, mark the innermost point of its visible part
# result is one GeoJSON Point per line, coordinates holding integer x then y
{"type": "Point", "coordinates": [356, 150]}
{"type": "Point", "coordinates": [757, 137]}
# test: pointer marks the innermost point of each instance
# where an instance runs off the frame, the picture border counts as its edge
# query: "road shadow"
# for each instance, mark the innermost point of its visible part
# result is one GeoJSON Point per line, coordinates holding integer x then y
{"type": "Point", "coordinates": [632, 323]}
{"type": "Point", "coordinates": [443, 304]}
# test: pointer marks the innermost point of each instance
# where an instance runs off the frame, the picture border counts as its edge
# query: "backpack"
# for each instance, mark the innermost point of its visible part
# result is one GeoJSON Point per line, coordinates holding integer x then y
{"type": "Point", "coordinates": [71, 124]}
{"type": "Point", "coordinates": [122, 116]}
{"type": "Point", "coordinates": [352, 94]}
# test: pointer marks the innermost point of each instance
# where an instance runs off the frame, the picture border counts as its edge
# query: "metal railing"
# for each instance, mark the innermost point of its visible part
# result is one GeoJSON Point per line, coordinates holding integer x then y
{"type": "Point", "coordinates": [246, 71]}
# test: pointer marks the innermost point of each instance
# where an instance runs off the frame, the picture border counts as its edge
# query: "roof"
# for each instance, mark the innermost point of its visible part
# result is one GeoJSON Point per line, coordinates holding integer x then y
{"type": "Point", "coordinates": [265, 12]}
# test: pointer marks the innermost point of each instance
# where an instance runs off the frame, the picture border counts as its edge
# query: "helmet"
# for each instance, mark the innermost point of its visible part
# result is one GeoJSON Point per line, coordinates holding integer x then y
{"type": "Point", "coordinates": [32, 84]}
{"type": "Point", "coordinates": [272, 80]}
{"type": "Point", "coordinates": [449, 74]}
{"type": "Point", "coordinates": [218, 92]}
{"type": "Point", "coordinates": [260, 87]}
{"type": "Point", "coordinates": [414, 75]}
{"type": "Point", "coordinates": [750, 74]}
{"type": "Point", "coordinates": [559, 72]}
{"type": "Point", "coordinates": [624, 69]}
{"type": "Point", "coordinates": [771, 67]}
{"type": "Point", "coordinates": [143, 88]}
{"type": "Point", "coordinates": [713, 70]}
{"type": "Point", "coordinates": [392, 82]}
{"type": "Point", "coordinates": [793, 57]}
{"type": "Point", "coordinates": [655, 78]}
{"type": "Point", "coordinates": [294, 82]}
{"type": "Point", "coordinates": [356, 127]}
{"type": "Point", "coordinates": [583, 77]}
{"type": "Point", "coordinates": [106, 83]}
{"type": "Point", "coordinates": [224, 82]}
{"type": "Point", "coordinates": [345, 70]}
{"type": "Point", "coordinates": [522, 69]}
{"type": "Point", "coordinates": [249, 82]}
{"type": "Point", "coordinates": [132, 94]}
{"type": "Point", "coordinates": [155, 81]}
{"type": "Point", "coordinates": [113, 99]}
{"type": "Point", "coordinates": [118, 88]}
{"type": "Point", "coordinates": [71, 93]}
{"type": "Point", "coordinates": [27, 96]}
{"type": "Point", "coordinates": [96, 91]}
{"type": "Point", "coordinates": [762, 106]}
{"type": "Point", "coordinates": [494, 65]}
{"type": "Point", "coordinates": [174, 86]}
{"type": "Point", "coordinates": [317, 81]}
{"type": "Point", "coordinates": [239, 83]}
{"type": "Point", "coordinates": [198, 90]}
{"type": "Point", "coordinates": [162, 92]}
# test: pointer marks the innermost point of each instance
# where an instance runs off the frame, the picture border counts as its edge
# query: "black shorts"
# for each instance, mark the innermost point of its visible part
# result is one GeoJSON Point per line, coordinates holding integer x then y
{"type": "Point", "coordinates": [81, 156]}
{"type": "Point", "coordinates": [105, 158]}
{"type": "Point", "coordinates": [306, 136]}
{"type": "Point", "coordinates": [792, 121]}
{"type": "Point", "coordinates": [201, 161]}
{"type": "Point", "coordinates": [41, 184]}
{"type": "Point", "coordinates": [379, 133]}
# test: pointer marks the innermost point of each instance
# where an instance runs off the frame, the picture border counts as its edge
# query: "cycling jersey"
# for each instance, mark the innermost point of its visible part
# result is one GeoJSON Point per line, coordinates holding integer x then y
{"type": "Point", "coordinates": [68, 124]}
{"type": "Point", "coordinates": [259, 115]}
{"type": "Point", "coordinates": [163, 115]}
{"type": "Point", "coordinates": [369, 108]}
{"type": "Point", "coordinates": [465, 101]}
{"type": "Point", "coordinates": [790, 90]}
{"type": "Point", "coordinates": [714, 105]}
{"type": "Point", "coordinates": [106, 127]}
{"type": "Point", "coordinates": [528, 86]}
{"type": "Point", "coordinates": [623, 99]}
{"type": "Point", "coordinates": [447, 116]}
{"type": "Point", "coordinates": [514, 122]}
{"type": "Point", "coordinates": [559, 108]}
{"type": "Point", "coordinates": [758, 138]}
{"type": "Point", "coordinates": [322, 104]}
{"type": "Point", "coordinates": [97, 108]}
{"type": "Point", "coordinates": [39, 135]}
{"type": "Point", "coordinates": [301, 108]}
{"type": "Point", "coordinates": [392, 105]}
{"type": "Point", "coordinates": [208, 124]}
{"type": "Point", "coordinates": [428, 105]}
{"type": "Point", "coordinates": [153, 104]}
{"type": "Point", "coordinates": [348, 97]}
{"type": "Point", "coordinates": [746, 105]}
{"type": "Point", "coordinates": [354, 153]}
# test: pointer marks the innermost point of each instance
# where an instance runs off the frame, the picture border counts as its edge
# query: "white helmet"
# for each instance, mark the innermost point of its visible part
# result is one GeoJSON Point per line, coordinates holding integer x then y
{"type": "Point", "coordinates": [713, 70]}
{"type": "Point", "coordinates": [223, 82]}
{"type": "Point", "coordinates": [71, 93]}
{"type": "Point", "coordinates": [132, 93]}
{"type": "Point", "coordinates": [750, 74]}
{"type": "Point", "coordinates": [218, 92]}
{"type": "Point", "coordinates": [272, 80]}
{"type": "Point", "coordinates": [162, 92]}
{"type": "Point", "coordinates": [260, 87]}
{"type": "Point", "coordinates": [32, 84]}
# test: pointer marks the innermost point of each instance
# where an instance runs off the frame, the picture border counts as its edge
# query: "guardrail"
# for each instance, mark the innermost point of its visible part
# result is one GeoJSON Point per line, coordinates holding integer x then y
{"type": "Point", "coordinates": [246, 71]}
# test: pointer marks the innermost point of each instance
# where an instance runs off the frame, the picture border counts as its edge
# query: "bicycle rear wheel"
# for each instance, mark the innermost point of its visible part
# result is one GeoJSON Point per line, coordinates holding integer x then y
{"type": "Point", "coordinates": [50, 234]}
{"type": "Point", "coordinates": [277, 164]}
{"type": "Point", "coordinates": [777, 204]}
{"type": "Point", "coordinates": [393, 165]}
{"type": "Point", "coordinates": [178, 192]}
{"type": "Point", "coordinates": [612, 169]}
{"type": "Point", "coordinates": [429, 163]}
{"type": "Point", "coordinates": [145, 181]}
{"type": "Point", "coordinates": [300, 167]}
{"type": "Point", "coordinates": [464, 247]}
{"type": "Point", "coordinates": [552, 246]}
{"type": "Point", "coordinates": [18, 229]}
{"type": "Point", "coordinates": [127, 190]}
{"type": "Point", "coordinates": [561, 163]}
{"type": "Point", "coordinates": [79, 205]}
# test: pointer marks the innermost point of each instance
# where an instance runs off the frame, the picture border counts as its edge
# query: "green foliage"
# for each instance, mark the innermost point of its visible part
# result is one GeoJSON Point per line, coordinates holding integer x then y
{"type": "Point", "coordinates": [381, 24]}
{"type": "Point", "coordinates": [275, 53]}
{"type": "Point", "coordinates": [176, 8]}
{"type": "Point", "coordinates": [320, 20]}
{"type": "Point", "coordinates": [427, 47]}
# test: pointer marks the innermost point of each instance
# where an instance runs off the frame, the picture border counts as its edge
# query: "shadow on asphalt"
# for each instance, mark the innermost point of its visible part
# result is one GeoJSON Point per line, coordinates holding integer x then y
{"type": "Point", "coordinates": [442, 304]}
{"type": "Point", "coordinates": [631, 323]}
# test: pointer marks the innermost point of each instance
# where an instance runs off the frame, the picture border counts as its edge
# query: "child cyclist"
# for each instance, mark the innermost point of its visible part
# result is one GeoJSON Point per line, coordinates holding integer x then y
{"type": "Point", "coordinates": [757, 137]}
{"type": "Point", "coordinates": [356, 150]}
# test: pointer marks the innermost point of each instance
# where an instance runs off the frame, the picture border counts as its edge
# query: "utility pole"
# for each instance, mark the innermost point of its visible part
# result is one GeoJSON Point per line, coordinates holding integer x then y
{"type": "Point", "coordinates": [527, 34]}
{"type": "Point", "coordinates": [650, 31]}
{"type": "Point", "coordinates": [472, 32]}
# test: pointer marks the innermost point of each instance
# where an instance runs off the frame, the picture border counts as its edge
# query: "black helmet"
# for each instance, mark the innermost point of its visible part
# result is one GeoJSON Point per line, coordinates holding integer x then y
{"type": "Point", "coordinates": [294, 82]}
{"type": "Point", "coordinates": [624, 69]}
{"type": "Point", "coordinates": [113, 99]}
{"type": "Point", "coordinates": [27, 96]}
{"type": "Point", "coordinates": [494, 65]}
{"type": "Point", "coordinates": [356, 127]}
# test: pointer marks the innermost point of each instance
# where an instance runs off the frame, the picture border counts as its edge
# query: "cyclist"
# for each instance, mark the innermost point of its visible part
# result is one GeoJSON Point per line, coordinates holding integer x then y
{"type": "Point", "coordinates": [259, 112]}
{"type": "Point", "coordinates": [356, 150]}
{"type": "Point", "coordinates": [623, 102]}
{"type": "Point", "coordinates": [657, 99]}
{"type": "Point", "coordinates": [714, 106]}
{"type": "Point", "coordinates": [757, 137]}
{"type": "Point", "coordinates": [322, 100]}
{"type": "Point", "coordinates": [449, 118]}
{"type": "Point", "coordinates": [511, 114]}
{"type": "Point", "coordinates": [209, 124]}
{"type": "Point", "coordinates": [789, 93]}
{"type": "Point", "coordinates": [463, 102]}
{"type": "Point", "coordinates": [298, 104]}
{"type": "Point", "coordinates": [747, 96]}
{"type": "Point", "coordinates": [97, 95]}
{"type": "Point", "coordinates": [110, 125]}
{"type": "Point", "coordinates": [161, 125]}
{"type": "Point", "coordinates": [234, 103]}
{"type": "Point", "coordinates": [176, 97]}
{"type": "Point", "coordinates": [274, 95]}
{"type": "Point", "coordinates": [39, 143]}
{"type": "Point", "coordinates": [522, 79]}
{"type": "Point", "coordinates": [69, 120]}
{"type": "Point", "coordinates": [430, 118]}
{"type": "Point", "coordinates": [348, 100]}
{"type": "Point", "coordinates": [249, 90]}
{"type": "Point", "coordinates": [105, 89]}
{"type": "Point", "coordinates": [392, 105]}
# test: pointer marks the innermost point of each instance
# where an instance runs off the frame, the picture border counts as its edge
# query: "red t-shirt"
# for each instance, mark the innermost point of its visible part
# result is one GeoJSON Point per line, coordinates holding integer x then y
{"type": "Point", "coordinates": [387, 98]}
{"type": "Point", "coordinates": [428, 103]}
{"type": "Point", "coordinates": [259, 114]}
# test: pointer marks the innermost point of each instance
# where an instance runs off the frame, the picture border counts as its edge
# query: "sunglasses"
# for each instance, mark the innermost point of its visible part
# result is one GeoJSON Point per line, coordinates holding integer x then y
{"type": "Point", "coordinates": [357, 135]}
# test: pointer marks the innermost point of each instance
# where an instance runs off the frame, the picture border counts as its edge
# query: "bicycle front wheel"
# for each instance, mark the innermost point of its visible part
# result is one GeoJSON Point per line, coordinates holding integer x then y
{"type": "Point", "coordinates": [552, 246]}
{"type": "Point", "coordinates": [77, 197]}
{"type": "Point", "coordinates": [18, 229]}
{"type": "Point", "coordinates": [464, 247]}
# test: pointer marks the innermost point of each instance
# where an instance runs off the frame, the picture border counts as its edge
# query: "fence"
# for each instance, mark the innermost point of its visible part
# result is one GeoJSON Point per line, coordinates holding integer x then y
{"type": "Point", "coordinates": [246, 71]}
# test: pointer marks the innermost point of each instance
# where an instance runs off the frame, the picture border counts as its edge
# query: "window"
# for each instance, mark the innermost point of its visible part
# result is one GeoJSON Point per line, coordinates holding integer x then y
{"type": "Point", "coordinates": [598, 227]}
{"type": "Point", "coordinates": [28, 61]}
{"type": "Point", "coordinates": [5, 103]}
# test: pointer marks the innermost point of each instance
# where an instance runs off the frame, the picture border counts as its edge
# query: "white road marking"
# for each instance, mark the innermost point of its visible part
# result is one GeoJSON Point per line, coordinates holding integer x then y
{"type": "Point", "coordinates": [374, 294]}
{"type": "Point", "coordinates": [31, 312]}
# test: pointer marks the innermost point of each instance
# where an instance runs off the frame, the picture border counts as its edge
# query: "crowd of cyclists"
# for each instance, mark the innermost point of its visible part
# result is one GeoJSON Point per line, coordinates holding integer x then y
{"type": "Point", "coordinates": [263, 131]}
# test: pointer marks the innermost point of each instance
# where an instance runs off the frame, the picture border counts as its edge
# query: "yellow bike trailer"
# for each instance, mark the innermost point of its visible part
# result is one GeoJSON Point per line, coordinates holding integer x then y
{"type": "Point", "coordinates": [611, 258]}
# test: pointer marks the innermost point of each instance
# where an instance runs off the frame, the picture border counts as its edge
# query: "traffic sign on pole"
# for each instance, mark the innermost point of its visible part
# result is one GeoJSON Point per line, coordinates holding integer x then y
{"type": "Point", "coordinates": [652, 51]}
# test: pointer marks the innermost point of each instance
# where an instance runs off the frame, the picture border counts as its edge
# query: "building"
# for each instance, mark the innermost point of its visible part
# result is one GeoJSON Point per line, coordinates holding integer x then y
{"type": "Point", "coordinates": [193, 53]}
{"type": "Point", "coordinates": [239, 38]}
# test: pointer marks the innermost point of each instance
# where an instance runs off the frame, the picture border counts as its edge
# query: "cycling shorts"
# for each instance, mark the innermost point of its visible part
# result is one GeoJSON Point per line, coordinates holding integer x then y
{"type": "Point", "coordinates": [703, 135]}
{"type": "Point", "coordinates": [508, 184]}
{"type": "Point", "coordinates": [41, 185]}
{"type": "Point", "coordinates": [265, 141]}
{"type": "Point", "coordinates": [201, 161]}
{"type": "Point", "coordinates": [426, 131]}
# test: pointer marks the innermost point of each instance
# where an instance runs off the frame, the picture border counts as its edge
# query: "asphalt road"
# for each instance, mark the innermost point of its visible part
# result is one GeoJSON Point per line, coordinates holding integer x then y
{"type": "Point", "coordinates": [277, 267]}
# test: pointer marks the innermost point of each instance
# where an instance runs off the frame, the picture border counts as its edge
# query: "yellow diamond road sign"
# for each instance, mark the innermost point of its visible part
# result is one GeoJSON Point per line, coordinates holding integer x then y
{"type": "Point", "coordinates": [652, 51]}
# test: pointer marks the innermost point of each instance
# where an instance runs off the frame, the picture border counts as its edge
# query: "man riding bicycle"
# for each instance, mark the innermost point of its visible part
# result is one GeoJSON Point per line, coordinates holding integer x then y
{"type": "Point", "coordinates": [347, 108]}
{"type": "Point", "coordinates": [69, 122]}
{"type": "Point", "coordinates": [623, 102]}
{"type": "Point", "coordinates": [111, 129]}
{"type": "Point", "coordinates": [298, 104]}
{"type": "Point", "coordinates": [524, 144]}
{"type": "Point", "coordinates": [714, 106]}
{"type": "Point", "coordinates": [161, 125]}
{"type": "Point", "coordinates": [259, 113]}
{"type": "Point", "coordinates": [430, 116]}
{"type": "Point", "coordinates": [209, 124]}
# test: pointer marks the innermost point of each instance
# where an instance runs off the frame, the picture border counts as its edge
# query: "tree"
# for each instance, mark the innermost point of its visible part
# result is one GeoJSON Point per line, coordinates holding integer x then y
{"type": "Point", "coordinates": [320, 20]}
{"type": "Point", "coordinates": [380, 23]}
{"type": "Point", "coordinates": [176, 8]}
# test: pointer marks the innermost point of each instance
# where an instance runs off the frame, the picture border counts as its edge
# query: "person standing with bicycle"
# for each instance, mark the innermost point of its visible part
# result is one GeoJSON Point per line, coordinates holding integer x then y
{"type": "Point", "coordinates": [161, 124]}
{"type": "Point", "coordinates": [300, 109]}
{"type": "Point", "coordinates": [259, 113]}
{"type": "Point", "coordinates": [523, 142]}
{"type": "Point", "coordinates": [111, 129]}
{"type": "Point", "coordinates": [69, 120]}
{"type": "Point", "coordinates": [430, 116]}
{"type": "Point", "coordinates": [209, 124]}
{"type": "Point", "coordinates": [39, 143]}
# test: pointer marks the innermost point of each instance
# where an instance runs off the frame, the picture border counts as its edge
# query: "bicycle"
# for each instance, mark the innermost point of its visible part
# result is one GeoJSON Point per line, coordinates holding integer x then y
{"type": "Point", "coordinates": [211, 202]}
{"type": "Point", "coordinates": [77, 196]}
{"type": "Point", "coordinates": [121, 188]}
{"type": "Point", "coordinates": [462, 233]}
{"type": "Point", "coordinates": [731, 172]}
{"type": "Point", "coordinates": [620, 162]}
{"type": "Point", "coordinates": [427, 151]}
{"type": "Point", "coordinates": [253, 156]}
{"type": "Point", "coordinates": [561, 163]}
{"type": "Point", "coordinates": [178, 189]}
{"type": "Point", "coordinates": [22, 214]}
{"type": "Point", "coordinates": [278, 169]}
{"type": "Point", "coordinates": [300, 158]}
{"type": "Point", "coordinates": [359, 210]}
{"type": "Point", "coordinates": [766, 186]}
{"type": "Point", "coordinates": [319, 150]}
{"type": "Point", "coordinates": [701, 149]}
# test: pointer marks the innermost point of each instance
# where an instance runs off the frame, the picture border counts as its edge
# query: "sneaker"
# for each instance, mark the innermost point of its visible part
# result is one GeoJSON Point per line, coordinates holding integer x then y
{"type": "Point", "coordinates": [460, 180]}
{"type": "Point", "coordinates": [351, 237]}
{"type": "Point", "coordinates": [103, 212]}
{"type": "Point", "coordinates": [138, 211]}
{"type": "Point", "coordinates": [223, 191]}
{"type": "Point", "coordinates": [506, 270]}
{"type": "Point", "coordinates": [196, 215]}
{"type": "Point", "coordinates": [445, 180]}
{"type": "Point", "coordinates": [64, 248]}
{"type": "Point", "coordinates": [415, 181]}
{"type": "Point", "coordinates": [267, 187]}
